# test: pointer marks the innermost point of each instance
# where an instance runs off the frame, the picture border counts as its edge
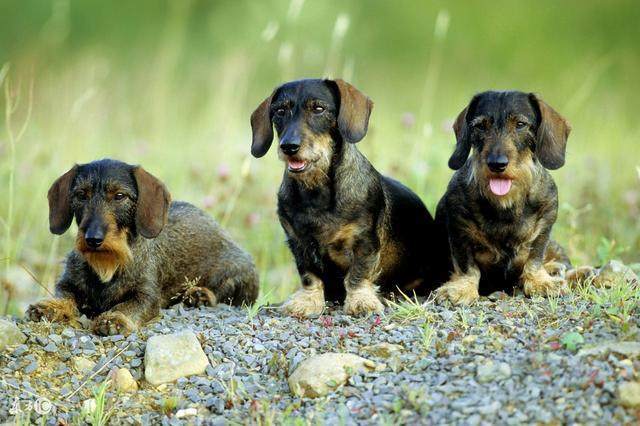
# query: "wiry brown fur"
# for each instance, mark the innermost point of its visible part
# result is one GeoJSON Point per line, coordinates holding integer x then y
{"type": "Point", "coordinates": [114, 254]}
{"type": "Point", "coordinates": [154, 252]}
{"type": "Point", "coordinates": [352, 231]}
{"type": "Point", "coordinates": [498, 242]}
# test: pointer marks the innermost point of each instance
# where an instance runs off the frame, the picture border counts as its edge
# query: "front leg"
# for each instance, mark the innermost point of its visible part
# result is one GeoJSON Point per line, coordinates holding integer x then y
{"type": "Point", "coordinates": [309, 299]}
{"type": "Point", "coordinates": [362, 294]}
{"type": "Point", "coordinates": [128, 316]}
{"type": "Point", "coordinates": [462, 287]}
{"type": "Point", "coordinates": [63, 308]}
{"type": "Point", "coordinates": [535, 279]}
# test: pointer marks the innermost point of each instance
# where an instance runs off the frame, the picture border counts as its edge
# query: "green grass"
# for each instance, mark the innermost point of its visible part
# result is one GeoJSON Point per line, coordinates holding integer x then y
{"type": "Point", "coordinates": [171, 85]}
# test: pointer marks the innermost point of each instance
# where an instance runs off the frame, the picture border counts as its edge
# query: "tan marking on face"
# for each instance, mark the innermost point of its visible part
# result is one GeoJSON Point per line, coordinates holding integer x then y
{"type": "Point", "coordinates": [521, 170]}
{"type": "Point", "coordinates": [113, 254]}
{"type": "Point", "coordinates": [316, 150]}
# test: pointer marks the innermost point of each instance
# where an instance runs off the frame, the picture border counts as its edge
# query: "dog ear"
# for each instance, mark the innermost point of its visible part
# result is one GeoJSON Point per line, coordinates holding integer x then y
{"type": "Point", "coordinates": [355, 110]}
{"type": "Point", "coordinates": [60, 213]}
{"type": "Point", "coordinates": [262, 128]}
{"type": "Point", "coordinates": [552, 135]}
{"type": "Point", "coordinates": [152, 207]}
{"type": "Point", "coordinates": [463, 141]}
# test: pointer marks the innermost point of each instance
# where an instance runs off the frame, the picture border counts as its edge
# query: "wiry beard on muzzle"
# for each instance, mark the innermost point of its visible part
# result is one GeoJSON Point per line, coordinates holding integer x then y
{"type": "Point", "coordinates": [113, 254]}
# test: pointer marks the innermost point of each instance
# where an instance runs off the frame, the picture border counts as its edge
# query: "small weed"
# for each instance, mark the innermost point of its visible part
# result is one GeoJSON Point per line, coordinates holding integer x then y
{"type": "Point", "coordinates": [618, 302]}
{"type": "Point", "coordinates": [427, 335]}
{"type": "Point", "coordinates": [100, 415]}
{"type": "Point", "coordinates": [169, 405]}
{"type": "Point", "coordinates": [608, 250]}
{"type": "Point", "coordinates": [255, 308]}
{"type": "Point", "coordinates": [572, 340]}
{"type": "Point", "coordinates": [409, 309]}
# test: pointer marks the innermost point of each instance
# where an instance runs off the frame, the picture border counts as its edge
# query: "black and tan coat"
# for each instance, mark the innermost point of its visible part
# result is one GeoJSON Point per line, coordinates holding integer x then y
{"type": "Point", "coordinates": [352, 231]}
{"type": "Point", "coordinates": [136, 251]}
{"type": "Point", "coordinates": [501, 202]}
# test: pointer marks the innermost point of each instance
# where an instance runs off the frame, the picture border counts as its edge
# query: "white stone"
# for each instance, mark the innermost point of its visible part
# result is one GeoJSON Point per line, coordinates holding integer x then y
{"type": "Point", "coordinates": [186, 412]}
{"type": "Point", "coordinates": [628, 349]}
{"type": "Point", "coordinates": [612, 272]}
{"type": "Point", "coordinates": [123, 381]}
{"type": "Point", "coordinates": [82, 365]}
{"type": "Point", "coordinates": [10, 334]}
{"type": "Point", "coordinates": [629, 394]}
{"type": "Point", "coordinates": [491, 371]}
{"type": "Point", "coordinates": [383, 350]}
{"type": "Point", "coordinates": [171, 356]}
{"type": "Point", "coordinates": [321, 374]}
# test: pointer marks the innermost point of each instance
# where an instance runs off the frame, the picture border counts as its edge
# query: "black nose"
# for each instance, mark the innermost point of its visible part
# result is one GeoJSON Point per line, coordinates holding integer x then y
{"type": "Point", "coordinates": [94, 242]}
{"type": "Point", "coordinates": [290, 148]}
{"type": "Point", "coordinates": [497, 163]}
{"type": "Point", "coordinates": [94, 235]}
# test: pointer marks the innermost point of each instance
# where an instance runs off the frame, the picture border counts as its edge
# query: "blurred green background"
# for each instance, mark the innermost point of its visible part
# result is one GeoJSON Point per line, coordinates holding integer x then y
{"type": "Point", "coordinates": [171, 85]}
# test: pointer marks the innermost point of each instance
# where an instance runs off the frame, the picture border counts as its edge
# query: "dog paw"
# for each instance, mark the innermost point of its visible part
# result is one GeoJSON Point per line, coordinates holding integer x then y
{"type": "Point", "coordinates": [460, 291]}
{"type": "Point", "coordinates": [199, 296]}
{"type": "Point", "coordinates": [53, 310]}
{"type": "Point", "coordinates": [580, 274]}
{"type": "Point", "coordinates": [112, 323]}
{"type": "Point", "coordinates": [555, 269]}
{"type": "Point", "coordinates": [540, 283]}
{"type": "Point", "coordinates": [363, 301]}
{"type": "Point", "coordinates": [304, 303]}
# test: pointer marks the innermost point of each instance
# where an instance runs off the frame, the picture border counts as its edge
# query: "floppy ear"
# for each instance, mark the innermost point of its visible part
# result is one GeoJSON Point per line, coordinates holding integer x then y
{"type": "Point", "coordinates": [463, 141]}
{"type": "Point", "coordinates": [262, 128]}
{"type": "Point", "coordinates": [355, 110]}
{"type": "Point", "coordinates": [60, 213]}
{"type": "Point", "coordinates": [152, 207]}
{"type": "Point", "coordinates": [552, 135]}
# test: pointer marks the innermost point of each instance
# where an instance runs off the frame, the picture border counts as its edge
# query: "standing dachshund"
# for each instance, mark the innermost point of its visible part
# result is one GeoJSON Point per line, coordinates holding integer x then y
{"type": "Point", "coordinates": [136, 251]}
{"type": "Point", "coordinates": [502, 202]}
{"type": "Point", "coordinates": [350, 229]}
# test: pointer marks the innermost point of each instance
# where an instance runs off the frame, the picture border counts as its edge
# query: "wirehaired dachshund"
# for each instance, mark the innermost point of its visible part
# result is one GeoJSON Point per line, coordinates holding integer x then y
{"type": "Point", "coordinates": [501, 202]}
{"type": "Point", "coordinates": [351, 230]}
{"type": "Point", "coordinates": [136, 251]}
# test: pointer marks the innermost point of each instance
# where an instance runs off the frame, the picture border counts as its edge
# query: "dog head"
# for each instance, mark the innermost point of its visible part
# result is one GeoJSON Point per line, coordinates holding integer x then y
{"type": "Point", "coordinates": [112, 202]}
{"type": "Point", "coordinates": [311, 117]}
{"type": "Point", "coordinates": [512, 134]}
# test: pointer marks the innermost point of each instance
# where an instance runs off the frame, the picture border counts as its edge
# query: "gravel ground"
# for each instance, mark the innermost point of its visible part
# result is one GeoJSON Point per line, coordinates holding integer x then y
{"type": "Point", "coordinates": [506, 360]}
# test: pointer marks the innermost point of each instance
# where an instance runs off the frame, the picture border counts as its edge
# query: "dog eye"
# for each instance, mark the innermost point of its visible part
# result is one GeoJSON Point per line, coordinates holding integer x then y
{"type": "Point", "coordinates": [119, 196]}
{"type": "Point", "coordinates": [280, 112]}
{"type": "Point", "coordinates": [521, 125]}
{"type": "Point", "coordinates": [318, 109]}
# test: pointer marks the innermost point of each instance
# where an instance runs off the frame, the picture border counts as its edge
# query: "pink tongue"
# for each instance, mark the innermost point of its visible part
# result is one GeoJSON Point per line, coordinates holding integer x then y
{"type": "Point", "coordinates": [296, 165]}
{"type": "Point", "coordinates": [500, 186]}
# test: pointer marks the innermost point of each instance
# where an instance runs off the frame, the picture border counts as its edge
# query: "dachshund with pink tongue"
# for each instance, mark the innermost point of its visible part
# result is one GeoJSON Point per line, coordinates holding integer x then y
{"type": "Point", "coordinates": [502, 202]}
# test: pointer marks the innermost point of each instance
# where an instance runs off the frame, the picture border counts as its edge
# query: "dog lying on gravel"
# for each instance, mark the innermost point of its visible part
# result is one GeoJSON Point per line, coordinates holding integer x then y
{"type": "Point", "coordinates": [136, 251]}
{"type": "Point", "coordinates": [502, 202]}
{"type": "Point", "coordinates": [350, 229]}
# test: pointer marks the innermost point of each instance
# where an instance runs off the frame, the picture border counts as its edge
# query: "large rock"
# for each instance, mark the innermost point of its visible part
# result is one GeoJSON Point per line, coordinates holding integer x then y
{"type": "Point", "coordinates": [171, 356]}
{"type": "Point", "coordinates": [321, 374]}
{"type": "Point", "coordinates": [612, 272]}
{"type": "Point", "coordinates": [627, 349]}
{"type": "Point", "coordinates": [10, 334]}
{"type": "Point", "coordinates": [629, 394]}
